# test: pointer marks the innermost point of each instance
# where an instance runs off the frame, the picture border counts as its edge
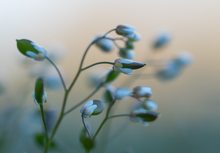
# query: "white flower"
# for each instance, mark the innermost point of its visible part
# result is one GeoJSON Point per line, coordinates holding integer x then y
{"type": "Point", "coordinates": [142, 91]}
{"type": "Point", "coordinates": [35, 56]}
{"type": "Point", "coordinates": [126, 53]}
{"type": "Point", "coordinates": [104, 44]}
{"type": "Point", "coordinates": [134, 37]}
{"type": "Point", "coordinates": [88, 109]}
{"type": "Point", "coordinates": [161, 39]}
{"type": "Point", "coordinates": [150, 105]}
{"type": "Point", "coordinates": [92, 107]}
{"type": "Point", "coordinates": [121, 93]}
{"type": "Point", "coordinates": [183, 59]}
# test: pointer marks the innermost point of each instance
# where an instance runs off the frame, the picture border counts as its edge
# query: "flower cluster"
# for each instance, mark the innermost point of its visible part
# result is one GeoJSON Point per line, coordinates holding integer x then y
{"type": "Point", "coordinates": [145, 109]}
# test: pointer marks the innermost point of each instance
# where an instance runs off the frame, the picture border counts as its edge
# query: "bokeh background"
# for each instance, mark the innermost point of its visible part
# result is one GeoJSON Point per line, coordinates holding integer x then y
{"type": "Point", "coordinates": [189, 105]}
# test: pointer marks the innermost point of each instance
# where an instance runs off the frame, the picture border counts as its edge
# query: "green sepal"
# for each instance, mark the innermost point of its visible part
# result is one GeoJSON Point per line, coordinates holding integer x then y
{"type": "Point", "coordinates": [39, 91]}
{"type": "Point", "coordinates": [148, 116]}
{"type": "Point", "coordinates": [25, 45]}
{"type": "Point", "coordinates": [111, 76]}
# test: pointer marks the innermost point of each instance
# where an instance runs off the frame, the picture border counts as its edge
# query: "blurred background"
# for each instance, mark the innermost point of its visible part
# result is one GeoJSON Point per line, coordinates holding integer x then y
{"type": "Point", "coordinates": [189, 104]}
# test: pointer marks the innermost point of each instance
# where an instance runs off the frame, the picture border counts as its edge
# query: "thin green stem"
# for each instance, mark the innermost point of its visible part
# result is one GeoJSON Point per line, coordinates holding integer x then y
{"type": "Point", "coordinates": [44, 124]}
{"type": "Point", "coordinates": [84, 57]}
{"type": "Point", "coordinates": [58, 71]}
{"type": "Point", "coordinates": [104, 120]}
{"type": "Point", "coordinates": [98, 63]}
{"type": "Point", "coordinates": [85, 99]}
{"type": "Point", "coordinates": [119, 115]}
{"type": "Point", "coordinates": [67, 90]}
{"type": "Point", "coordinates": [84, 124]}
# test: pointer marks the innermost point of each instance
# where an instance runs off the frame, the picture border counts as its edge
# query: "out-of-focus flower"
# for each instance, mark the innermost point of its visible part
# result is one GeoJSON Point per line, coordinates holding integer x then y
{"type": "Point", "coordinates": [104, 44]}
{"type": "Point", "coordinates": [126, 53]}
{"type": "Point", "coordinates": [142, 91]}
{"type": "Point", "coordinates": [127, 66]}
{"type": "Point", "coordinates": [161, 40]}
{"type": "Point", "coordinates": [92, 107]}
{"type": "Point", "coordinates": [52, 81]}
{"type": "Point", "coordinates": [121, 93]}
{"type": "Point", "coordinates": [133, 37]}
{"type": "Point", "coordinates": [150, 105]}
{"type": "Point", "coordinates": [174, 67]}
{"type": "Point", "coordinates": [31, 49]}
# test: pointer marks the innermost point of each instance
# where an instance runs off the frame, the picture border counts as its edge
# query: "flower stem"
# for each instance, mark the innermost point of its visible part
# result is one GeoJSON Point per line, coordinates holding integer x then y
{"type": "Point", "coordinates": [85, 99]}
{"type": "Point", "coordinates": [84, 124]}
{"type": "Point", "coordinates": [67, 91]}
{"type": "Point", "coordinates": [44, 124]}
{"type": "Point", "coordinates": [98, 63]}
{"type": "Point", "coordinates": [104, 120]}
{"type": "Point", "coordinates": [58, 71]}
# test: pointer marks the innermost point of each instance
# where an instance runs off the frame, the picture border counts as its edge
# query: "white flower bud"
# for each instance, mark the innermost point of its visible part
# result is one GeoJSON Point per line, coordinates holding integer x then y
{"type": "Point", "coordinates": [126, 53]}
{"type": "Point", "coordinates": [142, 91]}
{"type": "Point", "coordinates": [161, 40]}
{"type": "Point", "coordinates": [150, 105]}
{"type": "Point", "coordinates": [104, 44]}
{"type": "Point", "coordinates": [92, 107]}
{"type": "Point", "coordinates": [126, 66]}
{"type": "Point", "coordinates": [121, 93]}
{"type": "Point", "coordinates": [124, 30]}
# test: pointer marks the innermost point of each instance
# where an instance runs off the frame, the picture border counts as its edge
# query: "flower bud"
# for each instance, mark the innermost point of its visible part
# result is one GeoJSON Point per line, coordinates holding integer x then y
{"type": "Point", "coordinates": [40, 95]}
{"type": "Point", "coordinates": [31, 50]}
{"type": "Point", "coordinates": [124, 30]}
{"type": "Point", "coordinates": [161, 40]}
{"type": "Point", "coordinates": [183, 59]}
{"type": "Point", "coordinates": [92, 107]}
{"type": "Point", "coordinates": [121, 93]}
{"type": "Point", "coordinates": [150, 105]}
{"type": "Point", "coordinates": [143, 116]}
{"type": "Point", "coordinates": [127, 66]}
{"type": "Point", "coordinates": [104, 44]}
{"type": "Point", "coordinates": [142, 91]}
{"type": "Point", "coordinates": [133, 37]}
{"type": "Point", "coordinates": [126, 53]}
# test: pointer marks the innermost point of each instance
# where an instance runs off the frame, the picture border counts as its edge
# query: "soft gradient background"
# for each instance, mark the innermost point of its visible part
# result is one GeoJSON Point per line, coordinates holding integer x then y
{"type": "Point", "coordinates": [189, 105]}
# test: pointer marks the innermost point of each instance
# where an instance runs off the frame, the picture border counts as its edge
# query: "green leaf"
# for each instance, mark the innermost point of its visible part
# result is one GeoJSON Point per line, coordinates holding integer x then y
{"type": "Point", "coordinates": [111, 76]}
{"type": "Point", "coordinates": [40, 140]}
{"type": "Point", "coordinates": [25, 45]}
{"type": "Point", "coordinates": [87, 143]}
{"type": "Point", "coordinates": [148, 116]}
{"type": "Point", "coordinates": [39, 91]}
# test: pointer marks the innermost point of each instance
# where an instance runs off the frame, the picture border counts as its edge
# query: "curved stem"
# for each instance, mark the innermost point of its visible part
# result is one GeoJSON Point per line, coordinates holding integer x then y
{"type": "Point", "coordinates": [119, 115]}
{"type": "Point", "coordinates": [85, 99]}
{"type": "Point", "coordinates": [67, 90]}
{"type": "Point", "coordinates": [84, 57]}
{"type": "Point", "coordinates": [58, 71]}
{"type": "Point", "coordinates": [84, 124]}
{"type": "Point", "coordinates": [98, 63]}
